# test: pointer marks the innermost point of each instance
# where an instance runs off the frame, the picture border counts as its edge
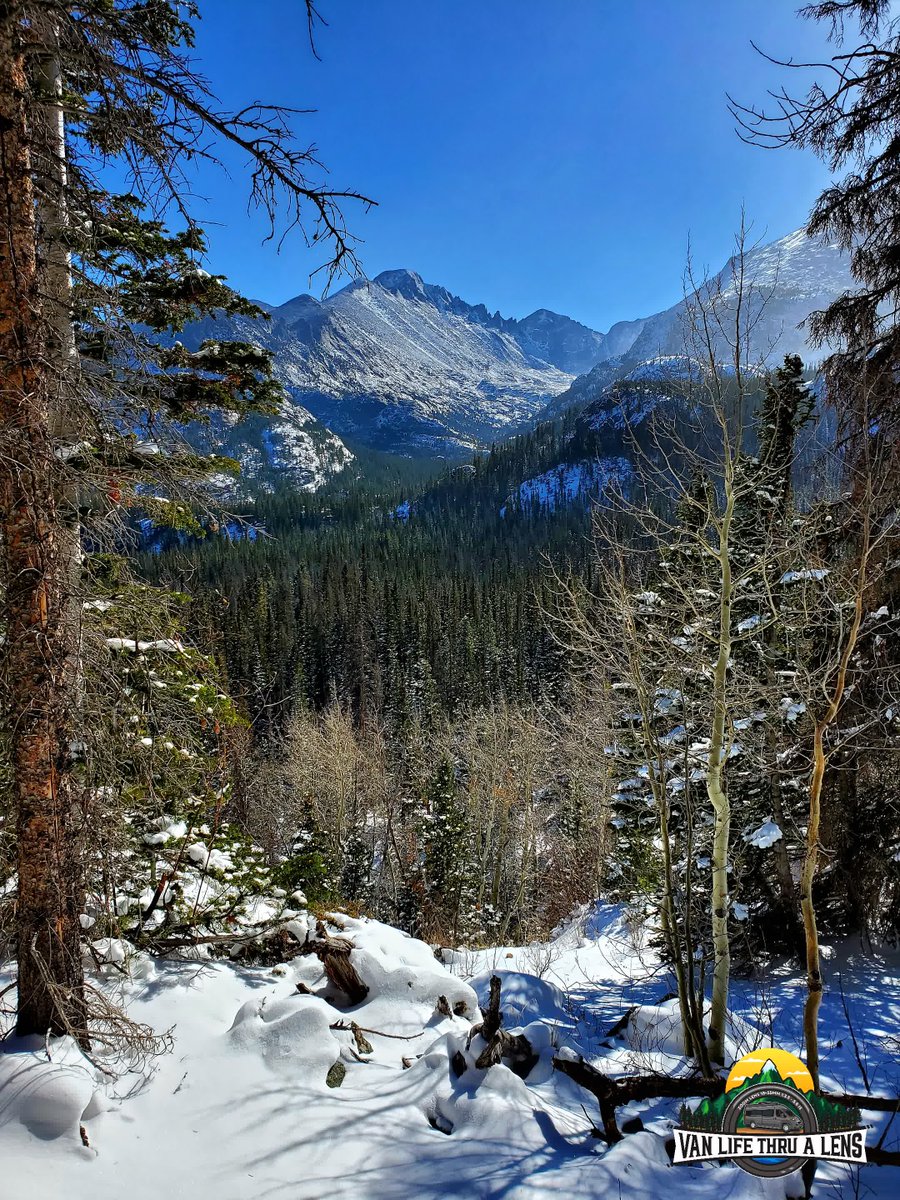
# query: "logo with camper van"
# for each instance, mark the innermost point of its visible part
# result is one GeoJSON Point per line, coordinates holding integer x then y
{"type": "Point", "coordinates": [770, 1120]}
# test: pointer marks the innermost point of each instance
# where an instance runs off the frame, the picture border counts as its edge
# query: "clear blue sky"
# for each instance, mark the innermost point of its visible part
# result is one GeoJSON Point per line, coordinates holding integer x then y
{"type": "Point", "coordinates": [524, 153]}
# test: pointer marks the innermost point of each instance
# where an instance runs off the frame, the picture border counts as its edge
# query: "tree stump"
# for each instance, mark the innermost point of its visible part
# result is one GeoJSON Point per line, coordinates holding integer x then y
{"type": "Point", "coordinates": [514, 1049]}
{"type": "Point", "coordinates": [334, 955]}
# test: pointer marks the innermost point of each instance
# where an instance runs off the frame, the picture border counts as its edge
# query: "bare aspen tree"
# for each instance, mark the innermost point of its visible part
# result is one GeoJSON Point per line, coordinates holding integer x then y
{"type": "Point", "coordinates": [838, 570]}
{"type": "Point", "coordinates": [721, 317]}
{"type": "Point", "coordinates": [689, 487]}
{"type": "Point", "coordinates": [613, 635]}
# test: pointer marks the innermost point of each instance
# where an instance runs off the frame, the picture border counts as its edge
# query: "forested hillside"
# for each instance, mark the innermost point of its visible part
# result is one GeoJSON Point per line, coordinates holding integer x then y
{"type": "Point", "coordinates": [394, 601]}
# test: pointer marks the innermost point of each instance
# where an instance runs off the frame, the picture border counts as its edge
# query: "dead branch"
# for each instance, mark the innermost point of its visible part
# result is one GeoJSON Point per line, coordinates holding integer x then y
{"type": "Point", "coordinates": [399, 1037]}
{"type": "Point", "coordinates": [612, 1093]}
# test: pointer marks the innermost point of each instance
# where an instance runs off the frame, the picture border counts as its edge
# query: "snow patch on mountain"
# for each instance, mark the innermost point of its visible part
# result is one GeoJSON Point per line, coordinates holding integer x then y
{"type": "Point", "coordinates": [570, 482]}
{"type": "Point", "coordinates": [665, 366]}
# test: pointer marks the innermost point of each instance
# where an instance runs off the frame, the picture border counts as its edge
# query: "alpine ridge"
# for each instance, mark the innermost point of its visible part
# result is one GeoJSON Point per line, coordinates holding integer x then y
{"type": "Point", "coordinates": [401, 365]}
{"type": "Point", "coordinates": [405, 366]}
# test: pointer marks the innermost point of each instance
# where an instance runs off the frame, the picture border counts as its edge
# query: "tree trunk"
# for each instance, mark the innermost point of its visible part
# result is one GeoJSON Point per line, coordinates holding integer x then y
{"type": "Point", "coordinates": [814, 982]}
{"type": "Point", "coordinates": [810, 864]}
{"type": "Point", "coordinates": [37, 657]}
{"type": "Point", "coordinates": [690, 1005]}
{"type": "Point", "coordinates": [718, 796]}
{"type": "Point", "coordinates": [691, 1011]}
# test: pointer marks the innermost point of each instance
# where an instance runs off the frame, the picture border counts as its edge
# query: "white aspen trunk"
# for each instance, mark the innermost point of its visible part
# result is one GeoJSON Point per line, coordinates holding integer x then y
{"type": "Point", "coordinates": [718, 796]}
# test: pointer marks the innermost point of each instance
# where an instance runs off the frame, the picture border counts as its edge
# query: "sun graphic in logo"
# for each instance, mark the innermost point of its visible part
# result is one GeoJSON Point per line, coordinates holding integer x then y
{"type": "Point", "coordinates": [788, 1066]}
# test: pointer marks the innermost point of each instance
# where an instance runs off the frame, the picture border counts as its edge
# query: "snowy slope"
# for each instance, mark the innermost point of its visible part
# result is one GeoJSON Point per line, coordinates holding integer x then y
{"type": "Point", "coordinates": [585, 482]}
{"type": "Point", "coordinates": [292, 447]}
{"type": "Point", "coordinates": [788, 279]}
{"type": "Point", "coordinates": [398, 359]}
{"type": "Point", "coordinates": [785, 281]}
{"type": "Point", "coordinates": [240, 1108]}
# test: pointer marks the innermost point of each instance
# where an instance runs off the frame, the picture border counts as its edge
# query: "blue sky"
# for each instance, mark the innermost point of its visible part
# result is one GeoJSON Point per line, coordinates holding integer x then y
{"type": "Point", "coordinates": [524, 153]}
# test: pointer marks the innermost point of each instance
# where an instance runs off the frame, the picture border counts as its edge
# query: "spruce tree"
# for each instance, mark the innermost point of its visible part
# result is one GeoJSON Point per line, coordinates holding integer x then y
{"type": "Point", "coordinates": [446, 852]}
{"type": "Point", "coordinates": [91, 400]}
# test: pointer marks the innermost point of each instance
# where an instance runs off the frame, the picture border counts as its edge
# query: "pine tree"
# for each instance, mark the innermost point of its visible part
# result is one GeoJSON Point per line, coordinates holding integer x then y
{"type": "Point", "coordinates": [767, 526]}
{"type": "Point", "coordinates": [90, 398]}
{"type": "Point", "coordinates": [446, 852]}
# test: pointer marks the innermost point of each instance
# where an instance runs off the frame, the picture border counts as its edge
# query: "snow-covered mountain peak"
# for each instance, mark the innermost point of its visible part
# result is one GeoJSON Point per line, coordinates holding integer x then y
{"type": "Point", "coordinates": [405, 365]}
{"type": "Point", "coordinates": [784, 281]}
{"type": "Point", "coordinates": [544, 316]}
{"type": "Point", "coordinates": [403, 281]}
{"type": "Point", "coordinates": [301, 308]}
{"type": "Point", "coordinates": [795, 262]}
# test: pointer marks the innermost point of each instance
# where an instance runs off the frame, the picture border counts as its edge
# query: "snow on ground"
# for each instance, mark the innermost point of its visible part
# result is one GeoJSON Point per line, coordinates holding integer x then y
{"type": "Point", "coordinates": [241, 1107]}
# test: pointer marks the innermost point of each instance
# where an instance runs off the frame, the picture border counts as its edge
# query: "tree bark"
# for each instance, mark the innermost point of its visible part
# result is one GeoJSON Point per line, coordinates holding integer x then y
{"type": "Point", "coordinates": [814, 982]}
{"type": "Point", "coordinates": [718, 796]}
{"type": "Point", "coordinates": [334, 955]}
{"type": "Point", "coordinates": [36, 654]}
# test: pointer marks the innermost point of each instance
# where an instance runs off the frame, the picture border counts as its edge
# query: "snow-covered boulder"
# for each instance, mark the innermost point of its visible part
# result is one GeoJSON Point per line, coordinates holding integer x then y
{"type": "Point", "coordinates": [292, 1035]}
{"type": "Point", "coordinates": [404, 979]}
{"type": "Point", "coordinates": [48, 1098]}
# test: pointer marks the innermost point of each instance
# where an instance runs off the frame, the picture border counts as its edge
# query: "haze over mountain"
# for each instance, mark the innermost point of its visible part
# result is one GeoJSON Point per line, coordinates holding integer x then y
{"type": "Point", "coordinates": [402, 365]}
{"type": "Point", "coordinates": [786, 281]}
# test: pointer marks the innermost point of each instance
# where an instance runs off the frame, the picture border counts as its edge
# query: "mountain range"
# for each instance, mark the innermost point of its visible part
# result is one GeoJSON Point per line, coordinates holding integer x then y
{"type": "Point", "coordinates": [404, 366]}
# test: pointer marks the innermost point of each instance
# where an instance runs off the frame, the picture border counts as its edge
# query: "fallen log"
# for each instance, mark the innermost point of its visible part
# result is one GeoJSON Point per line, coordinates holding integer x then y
{"type": "Point", "coordinates": [882, 1158]}
{"type": "Point", "coordinates": [179, 937]}
{"type": "Point", "coordinates": [872, 1103]}
{"type": "Point", "coordinates": [612, 1092]}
